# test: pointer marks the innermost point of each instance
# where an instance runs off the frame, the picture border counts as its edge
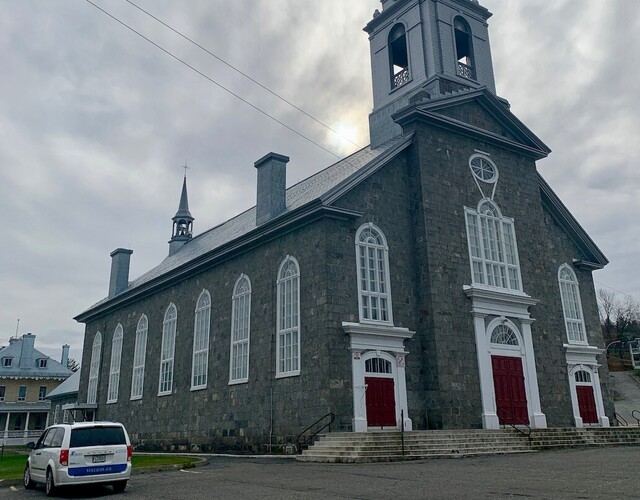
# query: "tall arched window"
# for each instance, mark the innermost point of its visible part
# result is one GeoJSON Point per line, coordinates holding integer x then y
{"type": "Point", "coordinates": [374, 291]}
{"type": "Point", "coordinates": [464, 48]}
{"type": "Point", "coordinates": [94, 369]}
{"type": "Point", "coordinates": [240, 330]}
{"type": "Point", "coordinates": [398, 56]}
{"type": "Point", "coordinates": [168, 350]}
{"type": "Point", "coordinates": [571, 305]}
{"type": "Point", "coordinates": [139, 357]}
{"type": "Point", "coordinates": [202, 321]}
{"type": "Point", "coordinates": [492, 247]}
{"type": "Point", "coordinates": [114, 372]}
{"type": "Point", "coordinates": [288, 340]}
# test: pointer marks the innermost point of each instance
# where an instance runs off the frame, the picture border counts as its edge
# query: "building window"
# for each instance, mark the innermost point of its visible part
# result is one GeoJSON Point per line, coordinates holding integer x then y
{"type": "Point", "coordinates": [374, 291]}
{"type": "Point", "coordinates": [492, 247]}
{"type": "Point", "coordinates": [2, 392]}
{"type": "Point", "coordinates": [483, 169]}
{"type": "Point", "coordinates": [240, 326]}
{"type": "Point", "coordinates": [398, 56]}
{"type": "Point", "coordinates": [114, 372]}
{"type": "Point", "coordinates": [22, 393]}
{"type": "Point", "coordinates": [7, 362]}
{"type": "Point", "coordinates": [94, 370]}
{"type": "Point", "coordinates": [583, 377]}
{"type": "Point", "coordinates": [201, 341]}
{"type": "Point", "coordinates": [42, 363]}
{"type": "Point", "coordinates": [571, 305]}
{"type": "Point", "coordinates": [464, 49]}
{"type": "Point", "coordinates": [168, 350]}
{"type": "Point", "coordinates": [42, 392]}
{"type": "Point", "coordinates": [139, 356]}
{"type": "Point", "coordinates": [377, 365]}
{"type": "Point", "coordinates": [504, 335]}
{"type": "Point", "coordinates": [56, 415]}
{"type": "Point", "coordinates": [288, 339]}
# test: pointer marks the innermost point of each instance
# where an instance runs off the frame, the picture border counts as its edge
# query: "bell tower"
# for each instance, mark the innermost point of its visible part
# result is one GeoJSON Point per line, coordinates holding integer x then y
{"type": "Point", "coordinates": [182, 222]}
{"type": "Point", "coordinates": [425, 49]}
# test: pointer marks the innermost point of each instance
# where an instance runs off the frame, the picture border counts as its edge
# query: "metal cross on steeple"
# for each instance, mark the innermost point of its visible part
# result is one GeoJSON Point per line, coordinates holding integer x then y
{"type": "Point", "coordinates": [185, 168]}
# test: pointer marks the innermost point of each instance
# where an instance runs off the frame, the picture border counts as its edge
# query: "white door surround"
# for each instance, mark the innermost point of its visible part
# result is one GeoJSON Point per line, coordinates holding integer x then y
{"type": "Point", "coordinates": [583, 358]}
{"type": "Point", "coordinates": [378, 341]}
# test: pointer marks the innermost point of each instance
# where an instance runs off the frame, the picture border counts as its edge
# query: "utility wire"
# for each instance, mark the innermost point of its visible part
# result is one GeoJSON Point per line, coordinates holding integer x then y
{"type": "Point", "coordinates": [616, 290]}
{"type": "Point", "coordinates": [213, 81]}
{"type": "Point", "coordinates": [244, 74]}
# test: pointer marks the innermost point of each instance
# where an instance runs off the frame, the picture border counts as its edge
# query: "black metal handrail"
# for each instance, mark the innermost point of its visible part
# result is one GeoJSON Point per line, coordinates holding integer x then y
{"type": "Point", "coordinates": [633, 414]}
{"type": "Point", "coordinates": [309, 439]}
{"type": "Point", "coordinates": [402, 430]}
{"type": "Point", "coordinates": [521, 422]}
{"type": "Point", "coordinates": [621, 421]}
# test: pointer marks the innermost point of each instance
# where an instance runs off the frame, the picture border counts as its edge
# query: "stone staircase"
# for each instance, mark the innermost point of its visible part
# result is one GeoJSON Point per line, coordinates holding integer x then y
{"type": "Point", "coordinates": [386, 446]}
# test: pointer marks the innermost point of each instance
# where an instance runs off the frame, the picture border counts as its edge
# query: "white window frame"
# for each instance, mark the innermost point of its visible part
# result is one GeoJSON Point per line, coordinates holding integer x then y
{"type": "Point", "coordinates": [41, 394]}
{"type": "Point", "coordinates": [139, 358]}
{"type": "Point", "coordinates": [167, 352]}
{"type": "Point", "coordinates": [114, 370]}
{"type": "Point", "coordinates": [94, 369]}
{"type": "Point", "coordinates": [42, 362]}
{"type": "Point", "coordinates": [493, 248]}
{"type": "Point", "coordinates": [23, 397]}
{"type": "Point", "coordinates": [288, 320]}
{"type": "Point", "coordinates": [3, 392]}
{"type": "Point", "coordinates": [572, 306]}
{"type": "Point", "coordinates": [240, 331]}
{"type": "Point", "coordinates": [7, 362]}
{"type": "Point", "coordinates": [201, 326]}
{"type": "Point", "coordinates": [366, 297]}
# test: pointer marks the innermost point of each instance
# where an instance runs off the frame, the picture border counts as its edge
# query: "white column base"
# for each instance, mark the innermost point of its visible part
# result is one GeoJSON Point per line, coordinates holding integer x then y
{"type": "Point", "coordinates": [604, 421]}
{"type": "Point", "coordinates": [408, 425]}
{"type": "Point", "coordinates": [578, 421]}
{"type": "Point", "coordinates": [490, 421]}
{"type": "Point", "coordinates": [359, 424]}
{"type": "Point", "coordinates": [539, 421]}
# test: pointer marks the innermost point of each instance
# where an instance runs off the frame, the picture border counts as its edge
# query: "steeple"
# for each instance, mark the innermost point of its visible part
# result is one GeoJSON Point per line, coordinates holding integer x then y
{"type": "Point", "coordinates": [182, 222]}
{"type": "Point", "coordinates": [425, 50]}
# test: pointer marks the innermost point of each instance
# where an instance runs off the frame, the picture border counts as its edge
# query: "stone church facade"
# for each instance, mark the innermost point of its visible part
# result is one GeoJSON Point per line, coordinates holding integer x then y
{"type": "Point", "coordinates": [431, 280]}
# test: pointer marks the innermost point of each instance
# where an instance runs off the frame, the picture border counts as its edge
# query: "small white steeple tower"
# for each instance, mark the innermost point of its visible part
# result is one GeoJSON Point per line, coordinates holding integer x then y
{"type": "Point", "coordinates": [424, 49]}
{"type": "Point", "coordinates": [182, 222]}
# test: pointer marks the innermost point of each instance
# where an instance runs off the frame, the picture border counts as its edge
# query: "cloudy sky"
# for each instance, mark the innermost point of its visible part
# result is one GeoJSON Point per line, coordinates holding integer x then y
{"type": "Point", "coordinates": [95, 123]}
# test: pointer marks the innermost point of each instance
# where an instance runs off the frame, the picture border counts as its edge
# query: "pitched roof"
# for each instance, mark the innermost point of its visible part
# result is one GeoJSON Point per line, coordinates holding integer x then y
{"type": "Point", "coordinates": [25, 362]}
{"type": "Point", "coordinates": [310, 190]}
{"type": "Point", "coordinates": [68, 387]}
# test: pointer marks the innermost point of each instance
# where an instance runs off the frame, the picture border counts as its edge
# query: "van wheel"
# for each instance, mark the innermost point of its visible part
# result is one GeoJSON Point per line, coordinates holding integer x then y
{"type": "Point", "coordinates": [49, 485]}
{"type": "Point", "coordinates": [119, 486]}
{"type": "Point", "coordinates": [26, 478]}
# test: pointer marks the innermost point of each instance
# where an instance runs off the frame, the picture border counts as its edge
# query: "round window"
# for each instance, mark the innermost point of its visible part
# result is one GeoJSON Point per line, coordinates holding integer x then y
{"type": "Point", "coordinates": [483, 169]}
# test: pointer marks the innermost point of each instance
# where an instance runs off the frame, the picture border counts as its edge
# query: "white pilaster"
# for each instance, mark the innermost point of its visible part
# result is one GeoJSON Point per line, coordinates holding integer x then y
{"type": "Point", "coordinates": [487, 391]}
{"type": "Point", "coordinates": [538, 419]}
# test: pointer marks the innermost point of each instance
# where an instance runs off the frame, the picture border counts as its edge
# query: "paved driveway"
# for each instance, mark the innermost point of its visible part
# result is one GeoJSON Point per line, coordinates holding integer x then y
{"type": "Point", "coordinates": [584, 473]}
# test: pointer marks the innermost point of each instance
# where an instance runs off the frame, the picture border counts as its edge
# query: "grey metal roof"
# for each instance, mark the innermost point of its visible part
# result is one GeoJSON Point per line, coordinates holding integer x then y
{"type": "Point", "coordinates": [24, 363]}
{"type": "Point", "coordinates": [298, 195]}
{"type": "Point", "coordinates": [69, 386]}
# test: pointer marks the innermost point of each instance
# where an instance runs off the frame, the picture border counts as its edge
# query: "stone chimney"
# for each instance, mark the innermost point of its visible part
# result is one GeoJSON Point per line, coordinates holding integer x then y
{"type": "Point", "coordinates": [119, 280]}
{"type": "Point", "coordinates": [27, 352]}
{"type": "Point", "coordinates": [272, 187]}
{"type": "Point", "coordinates": [65, 355]}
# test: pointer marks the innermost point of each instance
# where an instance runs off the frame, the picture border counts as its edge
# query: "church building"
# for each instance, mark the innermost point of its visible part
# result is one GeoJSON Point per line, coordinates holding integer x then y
{"type": "Point", "coordinates": [431, 280]}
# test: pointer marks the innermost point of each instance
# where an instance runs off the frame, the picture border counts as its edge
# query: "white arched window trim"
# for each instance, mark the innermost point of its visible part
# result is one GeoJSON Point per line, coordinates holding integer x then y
{"type": "Point", "coordinates": [139, 358]}
{"type": "Point", "coordinates": [240, 331]}
{"type": "Point", "coordinates": [94, 369]}
{"type": "Point", "coordinates": [493, 251]}
{"type": "Point", "coordinates": [288, 318]}
{"type": "Point", "coordinates": [374, 281]}
{"type": "Point", "coordinates": [503, 348]}
{"type": "Point", "coordinates": [116, 358]}
{"type": "Point", "coordinates": [167, 352]}
{"type": "Point", "coordinates": [571, 305]}
{"type": "Point", "coordinates": [200, 361]}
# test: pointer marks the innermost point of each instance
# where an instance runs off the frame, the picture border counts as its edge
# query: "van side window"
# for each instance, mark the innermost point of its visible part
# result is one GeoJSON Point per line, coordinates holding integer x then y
{"type": "Point", "coordinates": [48, 440]}
{"type": "Point", "coordinates": [57, 438]}
{"type": "Point", "coordinates": [40, 443]}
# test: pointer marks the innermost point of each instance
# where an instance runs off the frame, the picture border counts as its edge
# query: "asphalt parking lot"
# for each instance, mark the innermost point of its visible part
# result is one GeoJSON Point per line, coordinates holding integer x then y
{"type": "Point", "coordinates": [593, 473]}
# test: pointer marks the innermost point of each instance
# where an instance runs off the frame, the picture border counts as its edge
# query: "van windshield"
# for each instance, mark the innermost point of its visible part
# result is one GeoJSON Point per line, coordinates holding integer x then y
{"type": "Point", "coordinates": [97, 436]}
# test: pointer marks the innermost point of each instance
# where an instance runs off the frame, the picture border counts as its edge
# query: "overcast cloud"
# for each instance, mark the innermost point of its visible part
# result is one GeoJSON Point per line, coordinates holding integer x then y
{"type": "Point", "coordinates": [95, 123]}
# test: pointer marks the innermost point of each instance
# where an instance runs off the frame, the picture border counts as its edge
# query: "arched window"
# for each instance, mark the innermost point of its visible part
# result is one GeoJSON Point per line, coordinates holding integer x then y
{"type": "Point", "coordinates": [398, 56]}
{"type": "Point", "coordinates": [94, 369]}
{"type": "Point", "coordinates": [288, 340]}
{"type": "Point", "coordinates": [240, 330]}
{"type": "Point", "coordinates": [374, 291]}
{"type": "Point", "coordinates": [464, 48]}
{"type": "Point", "coordinates": [167, 352]}
{"type": "Point", "coordinates": [201, 341]}
{"type": "Point", "coordinates": [377, 365]}
{"type": "Point", "coordinates": [139, 357]}
{"type": "Point", "coordinates": [504, 335]}
{"type": "Point", "coordinates": [114, 372]}
{"type": "Point", "coordinates": [582, 376]}
{"type": "Point", "coordinates": [571, 305]}
{"type": "Point", "coordinates": [492, 247]}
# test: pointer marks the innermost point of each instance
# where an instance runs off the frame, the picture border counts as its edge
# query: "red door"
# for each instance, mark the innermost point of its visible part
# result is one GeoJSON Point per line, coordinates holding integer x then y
{"type": "Point", "coordinates": [587, 404]}
{"type": "Point", "coordinates": [511, 397]}
{"type": "Point", "coordinates": [381, 402]}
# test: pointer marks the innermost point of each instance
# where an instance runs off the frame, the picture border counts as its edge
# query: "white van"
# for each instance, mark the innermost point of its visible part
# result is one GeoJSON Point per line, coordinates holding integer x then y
{"type": "Point", "coordinates": [80, 453]}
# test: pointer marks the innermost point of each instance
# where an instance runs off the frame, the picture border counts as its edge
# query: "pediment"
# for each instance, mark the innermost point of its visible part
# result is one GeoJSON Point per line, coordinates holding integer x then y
{"type": "Point", "coordinates": [477, 112]}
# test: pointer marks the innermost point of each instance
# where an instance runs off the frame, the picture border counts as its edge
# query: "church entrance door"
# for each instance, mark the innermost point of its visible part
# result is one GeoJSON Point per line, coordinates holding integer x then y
{"type": "Point", "coordinates": [587, 404]}
{"type": "Point", "coordinates": [381, 402]}
{"type": "Point", "coordinates": [511, 397]}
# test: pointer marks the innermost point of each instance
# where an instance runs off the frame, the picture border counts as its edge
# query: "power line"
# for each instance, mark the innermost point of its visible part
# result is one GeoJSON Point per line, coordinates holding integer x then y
{"type": "Point", "coordinates": [169, 53]}
{"type": "Point", "coordinates": [264, 87]}
{"type": "Point", "coordinates": [616, 290]}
